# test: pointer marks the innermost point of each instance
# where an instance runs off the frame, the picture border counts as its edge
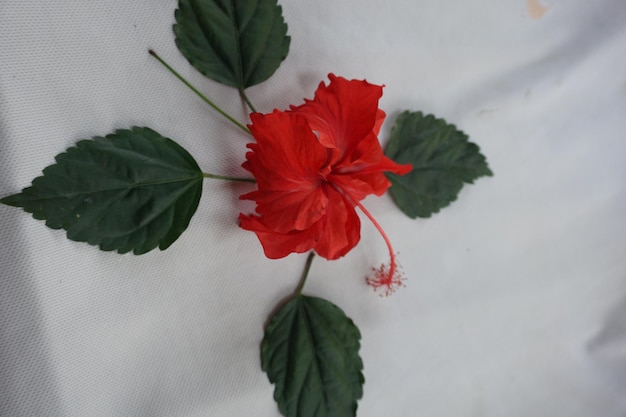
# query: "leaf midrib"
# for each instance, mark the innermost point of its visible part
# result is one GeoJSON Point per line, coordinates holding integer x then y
{"type": "Point", "coordinates": [335, 342]}
{"type": "Point", "coordinates": [218, 51]}
{"type": "Point", "coordinates": [430, 197]}
{"type": "Point", "coordinates": [315, 361]}
{"type": "Point", "coordinates": [129, 155]}
{"type": "Point", "coordinates": [235, 25]}
{"type": "Point", "coordinates": [130, 187]}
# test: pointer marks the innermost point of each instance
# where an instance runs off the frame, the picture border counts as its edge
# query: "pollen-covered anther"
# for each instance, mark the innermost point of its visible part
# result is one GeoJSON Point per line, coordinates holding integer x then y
{"type": "Point", "coordinates": [387, 278]}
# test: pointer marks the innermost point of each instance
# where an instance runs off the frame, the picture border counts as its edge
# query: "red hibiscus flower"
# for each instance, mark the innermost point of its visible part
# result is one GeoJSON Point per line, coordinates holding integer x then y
{"type": "Point", "coordinates": [313, 165]}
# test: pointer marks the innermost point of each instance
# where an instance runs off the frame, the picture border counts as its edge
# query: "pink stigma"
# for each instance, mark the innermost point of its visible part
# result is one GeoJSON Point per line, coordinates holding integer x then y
{"type": "Point", "coordinates": [386, 280]}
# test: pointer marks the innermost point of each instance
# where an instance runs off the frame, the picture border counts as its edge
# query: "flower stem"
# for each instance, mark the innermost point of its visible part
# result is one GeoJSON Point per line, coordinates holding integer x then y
{"type": "Point", "coordinates": [227, 178]}
{"type": "Point", "coordinates": [305, 273]}
{"type": "Point", "coordinates": [245, 98]}
{"type": "Point", "coordinates": [198, 93]}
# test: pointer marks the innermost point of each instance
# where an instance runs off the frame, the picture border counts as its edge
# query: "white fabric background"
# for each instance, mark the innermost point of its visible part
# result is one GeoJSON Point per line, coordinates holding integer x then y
{"type": "Point", "coordinates": [516, 295]}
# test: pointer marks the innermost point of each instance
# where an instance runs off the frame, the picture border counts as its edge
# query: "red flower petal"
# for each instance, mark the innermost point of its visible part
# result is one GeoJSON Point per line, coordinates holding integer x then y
{"type": "Point", "coordinates": [288, 171]}
{"type": "Point", "coordinates": [362, 173]}
{"type": "Point", "coordinates": [275, 244]}
{"type": "Point", "coordinates": [332, 236]}
{"type": "Point", "coordinates": [340, 228]}
{"type": "Point", "coordinates": [313, 165]}
{"type": "Point", "coordinates": [347, 118]}
{"type": "Point", "coordinates": [343, 112]}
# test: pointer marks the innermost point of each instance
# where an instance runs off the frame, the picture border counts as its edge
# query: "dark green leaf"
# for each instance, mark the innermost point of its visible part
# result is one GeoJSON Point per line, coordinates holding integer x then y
{"type": "Point", "coordinates": [442, 158]}
{"type": "Point", "coordinates": [311, 352]}
{"type": "Point", "coordinates": [132, 190]}
{"type": "Point", "coordinates": [237, 43]}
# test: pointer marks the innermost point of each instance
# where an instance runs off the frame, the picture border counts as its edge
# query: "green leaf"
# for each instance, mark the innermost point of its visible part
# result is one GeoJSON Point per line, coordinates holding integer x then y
{"type": "Point", "coordinates": [237, 43]}
{"type": "Point", "coordinates": [442, 158]}
{"type": "Point", "coordinates": [132, 190]}
{"type": "Point", "coordinates": [310, 351]}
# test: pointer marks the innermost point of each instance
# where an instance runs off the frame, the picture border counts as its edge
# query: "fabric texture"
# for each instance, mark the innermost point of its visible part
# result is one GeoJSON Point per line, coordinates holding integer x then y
{"type": "Point", "coordinates": [515, 298]}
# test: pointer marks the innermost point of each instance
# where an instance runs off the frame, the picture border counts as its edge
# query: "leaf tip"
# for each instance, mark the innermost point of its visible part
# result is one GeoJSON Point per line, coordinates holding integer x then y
{"type": "Point", "coordinates": [11, 200]}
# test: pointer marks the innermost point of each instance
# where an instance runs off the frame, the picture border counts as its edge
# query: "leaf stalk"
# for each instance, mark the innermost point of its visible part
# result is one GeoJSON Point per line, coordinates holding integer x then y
{"type": "Point", "coordinates": [226, 177]}
{"type": "Point", "coordinates": [198, 93]}
{"type": "Point", "coordinates": [245, 98]}
{"type": "Point", "coordinates": [305, 273]}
